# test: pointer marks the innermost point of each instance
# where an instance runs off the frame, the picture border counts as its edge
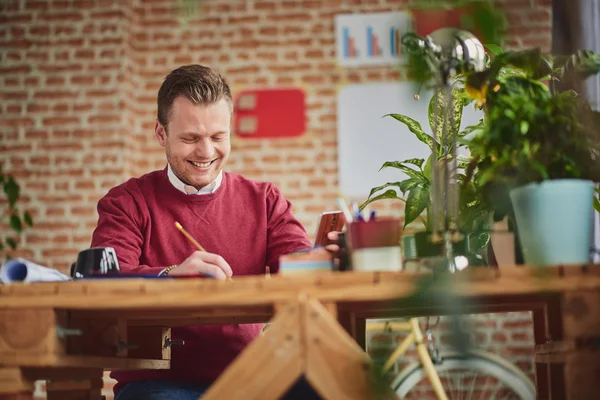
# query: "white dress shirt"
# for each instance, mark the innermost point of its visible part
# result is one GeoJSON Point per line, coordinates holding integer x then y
{"type": "Point", "coordinates": [187, 189]}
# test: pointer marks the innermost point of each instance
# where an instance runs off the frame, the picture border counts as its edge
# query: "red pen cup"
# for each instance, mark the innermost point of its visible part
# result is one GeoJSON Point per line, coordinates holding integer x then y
{"type": "Point", "coordinates": [375, 244]}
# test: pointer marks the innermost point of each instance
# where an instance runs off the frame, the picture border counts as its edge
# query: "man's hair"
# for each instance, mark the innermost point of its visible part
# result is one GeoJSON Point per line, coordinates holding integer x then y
{"type": "Point", "coordinates": [197, 83]}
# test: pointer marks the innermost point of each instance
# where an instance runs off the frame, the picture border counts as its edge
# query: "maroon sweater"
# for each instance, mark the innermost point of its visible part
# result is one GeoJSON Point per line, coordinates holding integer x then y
{"type": "Point", "coordinates": [249, 223]}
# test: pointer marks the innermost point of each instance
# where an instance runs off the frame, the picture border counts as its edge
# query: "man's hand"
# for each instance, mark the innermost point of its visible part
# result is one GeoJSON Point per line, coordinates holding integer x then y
{"type": "Point", "coordinates": [201, 262]}
{"type": "Point", "coordinates": [333, 247]}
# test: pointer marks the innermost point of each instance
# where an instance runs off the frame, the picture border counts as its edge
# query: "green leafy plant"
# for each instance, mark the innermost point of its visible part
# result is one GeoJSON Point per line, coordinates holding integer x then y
{"type": "Point", "coordinates": [534, 128]}
{"type": "Point", "coordinates": [17, 220]}
{"type": "Point", "coordinates": [417, 187]}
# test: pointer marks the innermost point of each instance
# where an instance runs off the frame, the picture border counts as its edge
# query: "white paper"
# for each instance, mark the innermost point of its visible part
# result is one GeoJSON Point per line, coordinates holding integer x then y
{"type": "Point", "coordinates": [21, 270]}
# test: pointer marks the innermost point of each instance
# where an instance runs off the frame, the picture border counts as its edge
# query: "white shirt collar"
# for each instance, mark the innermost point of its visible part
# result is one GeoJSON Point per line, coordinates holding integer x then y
{"type": "Point", "coordinates": [187, 189]}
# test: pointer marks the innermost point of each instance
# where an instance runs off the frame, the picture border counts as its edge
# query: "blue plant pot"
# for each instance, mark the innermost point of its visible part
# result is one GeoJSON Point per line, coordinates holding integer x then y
{"type": "Point", "coordinates": [554, 220]}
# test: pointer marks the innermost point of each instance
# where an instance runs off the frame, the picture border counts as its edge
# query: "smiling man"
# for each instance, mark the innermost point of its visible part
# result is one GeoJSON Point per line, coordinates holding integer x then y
{"type": "Point", "coordinates": [243, 225]}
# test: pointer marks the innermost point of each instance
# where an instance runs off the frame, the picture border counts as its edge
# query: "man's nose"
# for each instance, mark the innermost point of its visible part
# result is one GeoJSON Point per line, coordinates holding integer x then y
{"type": "Point", "coordinates": [205, 148]}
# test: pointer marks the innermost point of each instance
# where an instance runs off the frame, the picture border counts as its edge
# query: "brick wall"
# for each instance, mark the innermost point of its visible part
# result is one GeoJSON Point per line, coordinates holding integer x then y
{"type": "Point", "coordinates": [78, 83]}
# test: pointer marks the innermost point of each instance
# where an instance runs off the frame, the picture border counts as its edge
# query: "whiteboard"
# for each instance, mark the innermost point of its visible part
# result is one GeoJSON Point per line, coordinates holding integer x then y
{"type": "Point", "coordinates": [366, 140]}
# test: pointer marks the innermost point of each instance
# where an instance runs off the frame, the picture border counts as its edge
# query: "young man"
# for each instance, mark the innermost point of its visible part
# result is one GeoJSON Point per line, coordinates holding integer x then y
{"type": "Point", "coordinates": [243, 225]}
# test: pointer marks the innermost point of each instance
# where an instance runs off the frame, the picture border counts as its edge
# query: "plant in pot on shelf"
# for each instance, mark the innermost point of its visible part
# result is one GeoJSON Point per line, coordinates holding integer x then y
{"type": "Point", "coordinates": [417, 187]}
{"type": "Point", "coordinates": [537, 153]}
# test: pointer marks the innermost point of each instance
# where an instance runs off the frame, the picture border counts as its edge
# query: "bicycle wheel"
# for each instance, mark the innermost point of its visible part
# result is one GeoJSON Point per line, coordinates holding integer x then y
{"type": "Point", "coordinates": [472, 375]}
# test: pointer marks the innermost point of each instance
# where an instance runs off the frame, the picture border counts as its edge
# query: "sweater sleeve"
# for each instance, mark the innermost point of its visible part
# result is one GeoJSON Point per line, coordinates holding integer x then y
{"type": "Point", "coordinates": [285, 234]}
{"type": "Point", "coordinates": [119, 220]}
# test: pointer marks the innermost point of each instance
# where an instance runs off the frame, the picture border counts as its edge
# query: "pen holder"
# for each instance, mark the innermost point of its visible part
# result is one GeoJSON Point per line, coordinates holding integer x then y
{"type": "Point", "coordinates": [375, 245]}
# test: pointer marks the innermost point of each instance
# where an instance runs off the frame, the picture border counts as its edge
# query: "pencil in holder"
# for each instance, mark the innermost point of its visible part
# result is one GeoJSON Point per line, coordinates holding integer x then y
{"type": "Point", "coordinates": [374, 245]}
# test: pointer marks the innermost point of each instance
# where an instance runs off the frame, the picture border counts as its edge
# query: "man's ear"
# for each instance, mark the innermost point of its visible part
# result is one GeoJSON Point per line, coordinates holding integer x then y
{"type": "Point", "coordinates": [160, 133]}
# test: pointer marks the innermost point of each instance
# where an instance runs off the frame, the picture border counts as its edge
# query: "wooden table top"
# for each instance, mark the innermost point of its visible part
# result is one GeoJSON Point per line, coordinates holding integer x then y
{"type": "Point", "coordinates": [255, 291]}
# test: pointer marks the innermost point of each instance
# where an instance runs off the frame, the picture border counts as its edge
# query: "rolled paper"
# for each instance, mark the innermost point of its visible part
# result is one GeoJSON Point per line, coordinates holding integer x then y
{"type": "Point", "coordinates": [21, 270]}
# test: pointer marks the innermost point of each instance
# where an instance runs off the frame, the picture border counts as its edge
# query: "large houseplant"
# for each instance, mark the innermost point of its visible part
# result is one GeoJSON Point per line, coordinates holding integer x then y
{"type": "Point", "coordinates": [415, 191]}
{"type": "Point", "coordinates": [538, 151]}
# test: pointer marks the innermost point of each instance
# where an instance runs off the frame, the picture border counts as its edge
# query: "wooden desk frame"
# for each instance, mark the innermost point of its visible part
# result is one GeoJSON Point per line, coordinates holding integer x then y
{"type": "Point", "coordinates": [317, 325]}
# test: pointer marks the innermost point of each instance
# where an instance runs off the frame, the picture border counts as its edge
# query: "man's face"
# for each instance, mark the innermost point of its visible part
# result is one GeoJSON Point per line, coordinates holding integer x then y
{"type": "Point", "coordinates": [198, 140]}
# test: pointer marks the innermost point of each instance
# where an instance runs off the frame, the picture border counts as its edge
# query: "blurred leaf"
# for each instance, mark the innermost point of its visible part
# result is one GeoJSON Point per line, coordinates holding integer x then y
{"type": "Point", "coordinates": [12, 243]}
{"type": "Point", "coordinates": [11, 188]}
{"type": "Point", "coordinates": [15, 223]}
{"type": "Point", "coordinates": [494, 49]}
{"type": "Point", "coordinates": [27, 218]}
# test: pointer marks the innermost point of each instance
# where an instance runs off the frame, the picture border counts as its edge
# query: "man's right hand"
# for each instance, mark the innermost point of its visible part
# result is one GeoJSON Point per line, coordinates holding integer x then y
{"type": "Point", "coordinates": [201, 262]}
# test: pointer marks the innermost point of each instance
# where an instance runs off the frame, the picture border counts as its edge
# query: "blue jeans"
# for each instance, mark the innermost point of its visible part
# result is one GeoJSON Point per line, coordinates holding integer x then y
{"type": "Point", "coordinates": [161, 390]}
{"type": "Point", "coordinates": [169, 390]}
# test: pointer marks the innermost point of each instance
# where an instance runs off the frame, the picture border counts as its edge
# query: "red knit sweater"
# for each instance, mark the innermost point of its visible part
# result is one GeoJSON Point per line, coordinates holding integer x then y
{"type": "Point", "coordinates": [249, 223]}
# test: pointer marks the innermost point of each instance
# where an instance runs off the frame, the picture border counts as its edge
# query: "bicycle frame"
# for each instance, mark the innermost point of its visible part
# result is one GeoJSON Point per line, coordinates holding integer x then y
{"type": "Point", "coordinates": [415, 336]}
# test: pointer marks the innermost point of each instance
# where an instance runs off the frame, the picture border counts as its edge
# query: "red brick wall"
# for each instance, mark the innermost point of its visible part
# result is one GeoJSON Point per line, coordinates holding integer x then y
{"type": "Point", "coordinates": [78, 83]}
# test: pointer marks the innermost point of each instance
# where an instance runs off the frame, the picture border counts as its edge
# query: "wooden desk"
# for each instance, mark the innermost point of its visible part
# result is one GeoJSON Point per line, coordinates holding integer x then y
{"type": "Point", "coordinates": [69, 330]}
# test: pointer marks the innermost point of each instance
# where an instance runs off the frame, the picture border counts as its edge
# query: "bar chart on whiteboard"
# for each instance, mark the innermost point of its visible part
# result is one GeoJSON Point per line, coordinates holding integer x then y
{"type": "Point", "coordinates": [371, 39]}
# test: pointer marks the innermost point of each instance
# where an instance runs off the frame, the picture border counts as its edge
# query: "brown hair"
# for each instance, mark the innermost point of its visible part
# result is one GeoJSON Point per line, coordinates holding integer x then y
{"type": "Point", "coordinates": [197, 83]}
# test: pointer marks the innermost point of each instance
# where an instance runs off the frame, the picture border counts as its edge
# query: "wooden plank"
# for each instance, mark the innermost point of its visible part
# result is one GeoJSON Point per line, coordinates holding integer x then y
{"type": "Point", "coordinates": [13, 380]}
{"type": "Point", "coordinates": [328, 348]}
{"type": "Point", "coordinates": [277, 355]}
{"type": "Point", "coordinates": [111, 363]}
{"type": "Point", "coordinates": [30, 332]}
{"type": "Point", "coordinates": [581, 311]}
{"type": "Point", "coordinates": [250, 291]}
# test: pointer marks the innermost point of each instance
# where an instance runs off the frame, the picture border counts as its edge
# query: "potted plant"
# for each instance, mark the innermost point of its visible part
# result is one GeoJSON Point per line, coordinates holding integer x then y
{"type": "Point", "coordinates": [537, 153]}
{"type": "Point", "coordinates": [16, 218]}
{"type": "Point", "coordinates": [417, 187]}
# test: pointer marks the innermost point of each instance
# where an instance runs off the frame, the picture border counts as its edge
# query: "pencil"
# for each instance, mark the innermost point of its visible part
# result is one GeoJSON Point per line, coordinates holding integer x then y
{"type": "Point", "coordinates": [191, 239]}
{"type": "Point", "coordinates": [187, 235]}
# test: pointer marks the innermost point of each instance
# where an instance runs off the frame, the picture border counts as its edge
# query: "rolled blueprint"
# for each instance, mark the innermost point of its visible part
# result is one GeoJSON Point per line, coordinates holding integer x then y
{"type": "Point", "coordinates": [21, 270]}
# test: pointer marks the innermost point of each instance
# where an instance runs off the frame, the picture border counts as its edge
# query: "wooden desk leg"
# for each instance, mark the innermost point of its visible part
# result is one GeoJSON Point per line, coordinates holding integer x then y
{"type": "Point", "coordinates": [14, 385]}
{"type": "Point", "coordinates": [269, 366]}
{"type": "Point", "coordinates": [336, 367]}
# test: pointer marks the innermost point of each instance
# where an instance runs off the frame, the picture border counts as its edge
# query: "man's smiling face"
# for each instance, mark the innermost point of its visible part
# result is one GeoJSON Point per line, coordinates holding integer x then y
{"type": "Point", "coordinates": [197, 140]}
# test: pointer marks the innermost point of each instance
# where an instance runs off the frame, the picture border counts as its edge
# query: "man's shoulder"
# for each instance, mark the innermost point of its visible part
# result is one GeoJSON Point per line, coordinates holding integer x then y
{"type": "Point", "coordinates": [238, 181]}
{"type": "Point", "coordinates": [136, 186]}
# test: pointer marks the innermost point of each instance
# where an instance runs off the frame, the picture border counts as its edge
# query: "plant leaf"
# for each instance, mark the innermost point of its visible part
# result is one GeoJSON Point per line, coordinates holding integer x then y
{"type": "Point", "coordinates": [427, 170]}
{"type": "Point", "coordinates": [439, 111]}
{"type": "Point", "coordinates": [494, 49]}
{"type": "Point", "coordinates": [413, 173]}
{"type": "Point", "coordinates": [408, 184]}
{"type": "Point", "coordinates": [596, 204]}
{"type": "Point", "coordinates": [12, 243]}
{"type": "Point", "coordinates": [27, 218]}
{"type": "Point", "coordinates": [378, 188]}
{"type": "Point", "coordinates": [16, 224]}
{"type": "Point", "coordinates": [414, 161]}
{"type": "Point", "coordinates": [417, 200]}
{"type": "Point", "coordinates": [389, 194]}
{"type": "Point", "coordinates": [468, 130]}
{"type": "Point", "coordinates": [11, 188]}
{"type": "Point", "coordinates": [415, 127]}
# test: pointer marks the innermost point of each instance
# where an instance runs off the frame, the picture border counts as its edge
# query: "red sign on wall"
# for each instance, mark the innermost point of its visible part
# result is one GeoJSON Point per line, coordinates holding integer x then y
{"type": "Point", "coordinates": [270, 113]}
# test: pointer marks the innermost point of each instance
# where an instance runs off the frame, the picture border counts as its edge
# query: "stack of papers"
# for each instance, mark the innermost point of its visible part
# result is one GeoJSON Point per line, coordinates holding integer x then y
{"type": "Point", "coordinates": [21, 270]}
